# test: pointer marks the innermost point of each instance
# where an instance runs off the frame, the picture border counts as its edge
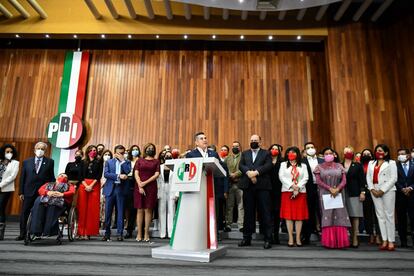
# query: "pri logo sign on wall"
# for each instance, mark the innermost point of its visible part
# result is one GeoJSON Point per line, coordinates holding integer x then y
{"type": "Point", "coordinates": [64, 130]}
{"type": "Point", "coordinates": [187, 175]}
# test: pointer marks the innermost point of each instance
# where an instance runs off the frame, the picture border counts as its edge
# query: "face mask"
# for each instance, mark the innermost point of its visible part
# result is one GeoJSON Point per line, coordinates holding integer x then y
{"type": "Point", "coordinates": [358, 159]}
{"type": "Point", "coordinates": [274, 152]}
{"type": "Point", "coordinates": [254, 145]}
{"type": "Point", "coordinates": [379, 155]}
{"type": "Point", "coordinates": [349, 155]}
{"type": "Point", "coordinates": [150, 152]}
{"type": "Point", "coordinates": [365, 158]}
{"type": "Point", "coordinates": [329, 158]}
{"type": "Point", "coordinates": [126, 155]}
{"type": "Point", "coordinates": [62, 179]}
{"type": "Point", "coordinates": [106, 157]}
{"type": "Point", "coordinates": [39, 153]}
{"type": "Point", "coordinates": [8, 155]}
{"type": "Point", "coordinates": [235, 150]}
{"type": "Point", "coordinates": [292, 156]}
{"type": "Point", "coordinates": [78, 158]}
{"type": "Point", "coordinates": [135, 153]}
{"type": "Point", "coordinates": [402, 158]}
{"type": "Point", "coordinates": [168, 158]}
{"type": "Point", "coordinates": [311, 151]}
{"type": "Point", "coordinates": [223, 154]}
{"type": "Point", "coordinates": [92, 154]}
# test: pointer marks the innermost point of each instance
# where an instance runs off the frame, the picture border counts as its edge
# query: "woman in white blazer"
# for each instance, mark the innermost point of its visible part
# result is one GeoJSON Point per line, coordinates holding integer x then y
{"type": "Point", "coordinates": [381, 178]}
{"type": "Point", "coordinates": [9, 168]}
{"type": "Point", "coordinates": [294, 208]}
{"type": "Point", "coordinates": [166, 200]}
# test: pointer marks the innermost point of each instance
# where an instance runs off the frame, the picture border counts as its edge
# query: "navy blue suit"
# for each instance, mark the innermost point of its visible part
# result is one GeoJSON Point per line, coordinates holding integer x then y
{"type": "Point", "coordinates": [405, 204]}
{"type": "Point", "coordinates": [115, 194]}
{"type": "Point", "coordinates": [30, 182]}
{"type": "Point", "coordinates": [221, 185]}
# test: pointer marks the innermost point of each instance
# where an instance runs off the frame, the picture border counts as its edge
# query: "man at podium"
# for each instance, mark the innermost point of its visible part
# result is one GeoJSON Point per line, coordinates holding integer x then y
{"type": "Point", "coordinates": [201, 149]}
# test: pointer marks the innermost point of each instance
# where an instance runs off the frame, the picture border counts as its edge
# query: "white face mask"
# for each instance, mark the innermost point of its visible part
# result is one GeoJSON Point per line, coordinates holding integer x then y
{"type": "Point", "coordinates": [39, 153]}
{"type": "Point", "coordinates": [106, 157]}
{"type": "Point", "coordinates": [402, 158]}
{"type": "Point", "coordinates": [311, 151]}
{"type": "Point", "coordinates": [8, 155]}
{"type": "Point", "coordinates": [126, 155]}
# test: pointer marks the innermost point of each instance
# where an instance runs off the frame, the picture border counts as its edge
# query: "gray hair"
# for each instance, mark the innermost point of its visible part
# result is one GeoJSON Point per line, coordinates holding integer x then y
{"type": "Point", "coordinates": [41, 143]}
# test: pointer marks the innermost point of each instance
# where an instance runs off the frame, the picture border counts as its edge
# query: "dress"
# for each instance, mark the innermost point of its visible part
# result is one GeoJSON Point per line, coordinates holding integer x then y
{"type": "Point", "coordinates": [146, 169]}
{"type": "Point", "coordinates": [334, 222]}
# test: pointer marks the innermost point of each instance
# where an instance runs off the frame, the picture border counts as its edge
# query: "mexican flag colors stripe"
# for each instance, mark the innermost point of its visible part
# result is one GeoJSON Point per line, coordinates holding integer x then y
{"type": "Point", "coordinates": [72, 100]}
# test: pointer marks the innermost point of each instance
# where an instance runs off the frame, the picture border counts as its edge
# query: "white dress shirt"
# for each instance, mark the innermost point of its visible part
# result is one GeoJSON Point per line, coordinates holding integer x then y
{"type": "Point", "coordinates": [313, 162]}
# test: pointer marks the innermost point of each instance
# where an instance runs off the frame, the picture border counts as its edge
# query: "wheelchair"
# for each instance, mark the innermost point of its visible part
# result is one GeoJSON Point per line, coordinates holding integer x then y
{"type": "Point", "coordinates": [68, 220]}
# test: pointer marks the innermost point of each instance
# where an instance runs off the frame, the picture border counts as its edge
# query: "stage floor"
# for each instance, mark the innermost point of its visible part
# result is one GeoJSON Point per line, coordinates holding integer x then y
{"type": "Point", "coordinates": [131, 258]}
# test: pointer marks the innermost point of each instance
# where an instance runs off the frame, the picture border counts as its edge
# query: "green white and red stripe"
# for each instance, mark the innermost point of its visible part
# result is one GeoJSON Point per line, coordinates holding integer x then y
{"type": "Point", "coordinates": [72, 99]}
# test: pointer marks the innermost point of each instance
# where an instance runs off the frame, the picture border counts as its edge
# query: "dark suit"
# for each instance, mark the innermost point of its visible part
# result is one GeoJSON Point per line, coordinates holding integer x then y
{"type": "Point", "coordinates": [309, 226]}
{"type": "Point", "coordinates": [405, 204]}
{"type": "Point", "coordinates": [221, 185]}
{"type": "Point", "coordinates": [115, 194]}
{"type": "Point", "coordinates": [30, 182]}
{"type": "Point", "coordinates": [256, 194]}
{"type": "Point", "coordinates": [356, 181]}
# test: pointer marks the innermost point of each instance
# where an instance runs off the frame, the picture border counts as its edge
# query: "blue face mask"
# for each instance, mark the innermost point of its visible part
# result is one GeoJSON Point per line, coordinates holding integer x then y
{"type": "Point", "coordinates": [135, 153]}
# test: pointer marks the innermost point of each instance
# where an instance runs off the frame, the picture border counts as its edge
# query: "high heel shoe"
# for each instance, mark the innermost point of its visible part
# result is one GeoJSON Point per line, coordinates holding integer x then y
{"type": "Point", "coordinates": [138, 240]}
{"type": "Point", "coordinates": [383, 247]}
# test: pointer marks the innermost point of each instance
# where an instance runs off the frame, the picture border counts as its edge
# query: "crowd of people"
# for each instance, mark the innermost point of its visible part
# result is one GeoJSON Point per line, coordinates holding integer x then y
{"type": "Point", "coordinates": [304, 192]}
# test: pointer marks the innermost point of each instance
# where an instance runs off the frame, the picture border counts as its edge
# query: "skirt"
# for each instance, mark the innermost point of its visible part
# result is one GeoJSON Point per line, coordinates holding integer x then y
{"type": "Point", "coordinates": [354, 207]}
{"type": "Point", "coordinates": [334, 237]}
{"type": "Point", "coordinates": [294, 209]}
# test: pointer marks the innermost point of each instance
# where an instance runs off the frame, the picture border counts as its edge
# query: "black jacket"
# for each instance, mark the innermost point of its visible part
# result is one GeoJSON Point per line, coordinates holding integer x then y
{"type": "Point", "coordinates": [355, 180]}
{"type": "Point", "coordinates": [30, 181]}
{"type": "Point", "coordinates": [263, 164]}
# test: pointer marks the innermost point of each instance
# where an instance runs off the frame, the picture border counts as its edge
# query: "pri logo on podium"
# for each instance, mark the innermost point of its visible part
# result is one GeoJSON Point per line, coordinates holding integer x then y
{"type": "Point", "coordinates": [187, 170]}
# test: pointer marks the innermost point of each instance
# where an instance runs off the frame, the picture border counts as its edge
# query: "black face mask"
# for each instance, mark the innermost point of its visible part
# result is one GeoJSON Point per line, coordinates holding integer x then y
{"type": "Point", "coordinates": [365, 158]}
{"type": "Point", "coordinates": [168, 158]}
{"type": "Point", "coordinates": [254, 145]}
{"type": "Point", "coordinates": [150, 152]}
{"type": "Point", "coordinates": [78, 158]}
{"type": "Point", "coordinates": [235, 150]}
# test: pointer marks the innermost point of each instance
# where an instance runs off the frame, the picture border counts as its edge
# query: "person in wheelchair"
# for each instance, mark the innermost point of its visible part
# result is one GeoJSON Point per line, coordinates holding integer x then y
{"type": "Point", "coordinates": [54, 198]}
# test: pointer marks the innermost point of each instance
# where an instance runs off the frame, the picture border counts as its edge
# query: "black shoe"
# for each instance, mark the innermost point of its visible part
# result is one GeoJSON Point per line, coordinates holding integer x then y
{"type": "Point", "coordinates": [275, 239]}
{"type": "Point", "coordinates": [120, 238]}
{"type": "Point", "coordinates": [267, 245]}
{"type": "Point", "coordinates": [128, 236]}
{"type": "Point", "coordinates": [244, 242]}
{"type": "Point", "coordinates": [306, 241]}
{"type": "Point", "coordinates": [241, 230]}
{"type": "Point", "coordinates": [105, 238]}
{"type": "Point", "coordinates": [227, 229]}
{"type": "Point", "coordinates": [19, 238]}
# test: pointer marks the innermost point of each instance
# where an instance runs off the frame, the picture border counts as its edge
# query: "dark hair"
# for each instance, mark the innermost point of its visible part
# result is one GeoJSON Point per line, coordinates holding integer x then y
{"type": "Point", "coordinates": [328, 148]}
{"type": "Point", "coordinates": [100, 145]}
{"type": "Point", "coordinates": [130, 150]}
{"type": "Point", "coordinates": [407, 151]}
{"type": "Point", "coordinates": [298, 156]}
{"type": "Point", "coordinates": [308, 143]}
{"type": "Point", "coordinates": [89, 149]}
{"type": "Point", "coordinates": [336, 158]}
{"type": "Point", "coordinates": [119, 147]}
{"type": "Point", "coordinates": [147, 146]}
{"type": "Point", "coordinates": [3, 149]}
{"type": "Point", "coordinates": [235, 141]}
{"type": "Point", "coordinates": [369, 150]}
{"type": "Point", "coordinates": [225, 146]}
{"type": "Point", "coordinates": [279, 147]}
{"type": "Point", "coordinates": [81, 152]}
{"type": "Point", "coordinates": [161, 156]}
{"type": "Point", "coordinates": [196, 135]}
{"type": "Point", "coordinates": [106, 151]}
{"type": "Point", "coordinates": [386, 150]}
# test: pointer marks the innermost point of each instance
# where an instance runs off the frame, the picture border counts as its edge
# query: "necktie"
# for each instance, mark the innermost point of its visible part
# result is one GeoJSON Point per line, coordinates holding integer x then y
{"type": "Point", "coordinates": [405, 169]}
{"type": "Point", "coordinates": [37, 167]}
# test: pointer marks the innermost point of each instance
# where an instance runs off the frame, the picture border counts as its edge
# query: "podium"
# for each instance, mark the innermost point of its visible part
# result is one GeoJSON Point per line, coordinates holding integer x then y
{"type": "Point", "coordinates": [194, 236]}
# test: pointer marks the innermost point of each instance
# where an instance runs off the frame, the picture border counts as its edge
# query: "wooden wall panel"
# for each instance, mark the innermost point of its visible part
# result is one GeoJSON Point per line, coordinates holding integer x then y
{"type": "Point", "coordinates": [140, 96]}
{"type": "Point", "coordinates": [370, 68]}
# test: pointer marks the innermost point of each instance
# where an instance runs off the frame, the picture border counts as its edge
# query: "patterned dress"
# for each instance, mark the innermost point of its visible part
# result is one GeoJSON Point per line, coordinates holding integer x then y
{"type": "Point", "coordinates": [334, 222]}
